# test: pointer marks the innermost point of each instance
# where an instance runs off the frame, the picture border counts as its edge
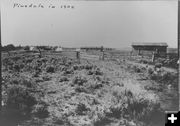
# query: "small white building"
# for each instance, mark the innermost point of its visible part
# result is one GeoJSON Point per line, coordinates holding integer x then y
{"type": "Point", "coordinates": [33, 48]}
{"type": "Point", "coordinates": [78, 49]}
{"type": "Point", "coordinates": [59, 49]}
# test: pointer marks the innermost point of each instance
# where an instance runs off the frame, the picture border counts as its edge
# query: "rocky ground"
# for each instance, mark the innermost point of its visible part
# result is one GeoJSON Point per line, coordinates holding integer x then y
{"type": "Point", "coordinates": [52, 90]}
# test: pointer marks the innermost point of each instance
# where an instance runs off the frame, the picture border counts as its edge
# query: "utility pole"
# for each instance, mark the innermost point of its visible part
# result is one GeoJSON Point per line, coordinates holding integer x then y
{"type": "Point", "coordinates": [0, 65]}
{"type": "Point", "coordinates": [179, 43]}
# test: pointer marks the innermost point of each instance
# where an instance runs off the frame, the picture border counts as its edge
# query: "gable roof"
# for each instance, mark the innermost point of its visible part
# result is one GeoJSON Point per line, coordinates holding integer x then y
{"type": "Point", "coordinates": [150, 44]}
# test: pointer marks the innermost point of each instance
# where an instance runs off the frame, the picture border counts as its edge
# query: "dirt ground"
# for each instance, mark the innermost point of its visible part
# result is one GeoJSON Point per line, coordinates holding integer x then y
{"type": "Point", "coordinates": [64, 92]}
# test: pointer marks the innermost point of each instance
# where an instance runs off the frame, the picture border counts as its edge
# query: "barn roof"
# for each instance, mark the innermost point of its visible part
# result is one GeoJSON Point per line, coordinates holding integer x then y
{"type": "Point", "coordinates": [150, 44]}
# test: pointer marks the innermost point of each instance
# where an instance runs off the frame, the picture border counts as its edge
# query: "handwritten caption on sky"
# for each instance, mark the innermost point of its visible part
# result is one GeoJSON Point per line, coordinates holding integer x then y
{"type": "Point", "coordinates": [41, 5]}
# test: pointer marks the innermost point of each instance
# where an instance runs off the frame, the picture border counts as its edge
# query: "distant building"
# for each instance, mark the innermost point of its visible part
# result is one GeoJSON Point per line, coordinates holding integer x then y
{"type": "Point", "coordinates": [68, 49]}
{"type": "Point", "coordinates": [95, 48]}
{"type": "Point", "coordinates": [33, 48]}
{"type": "Point", "coordinates": [58, 49]}
{"type": "Point", "coordinates": [149, 48]}
{"type": "Point", "coordinates": [172, 50]}
{"type": "Point", "coordinates": [78, 49]}
{"type": "Point", "coordinates": [172, 53]}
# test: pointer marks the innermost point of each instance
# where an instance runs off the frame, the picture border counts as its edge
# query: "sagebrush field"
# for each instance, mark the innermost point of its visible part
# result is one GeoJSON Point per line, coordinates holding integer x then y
{"type": "Point", "coordinates": [57, 89]}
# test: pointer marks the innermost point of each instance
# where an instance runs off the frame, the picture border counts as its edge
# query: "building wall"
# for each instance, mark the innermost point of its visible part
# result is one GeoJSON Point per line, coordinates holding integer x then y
{"type": "Point", "coordinates": [148, 50]}
{"type": "Point", "coordinates": [151, 48]}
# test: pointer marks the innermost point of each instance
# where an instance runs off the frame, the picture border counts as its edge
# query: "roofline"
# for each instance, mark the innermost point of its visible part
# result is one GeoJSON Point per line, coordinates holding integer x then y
{"type": "Point", "coordinates": [149, 44]}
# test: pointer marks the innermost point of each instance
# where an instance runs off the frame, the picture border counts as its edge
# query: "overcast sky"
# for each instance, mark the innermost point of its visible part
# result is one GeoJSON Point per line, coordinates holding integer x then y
{"type": "Point", "coordinates": [91, 23]}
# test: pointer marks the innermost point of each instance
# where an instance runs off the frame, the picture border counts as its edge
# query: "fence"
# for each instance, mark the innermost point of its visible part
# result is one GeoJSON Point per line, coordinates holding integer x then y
{"type": "Point", "coordinates": [91, 55]}
{"type": "Point", "coordinates": [84, 55]}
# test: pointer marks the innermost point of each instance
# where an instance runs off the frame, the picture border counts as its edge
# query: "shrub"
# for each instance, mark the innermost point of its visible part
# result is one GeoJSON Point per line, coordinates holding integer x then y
{"type": "Point", "coordinates": [62, 79]}
{"type": "Point", "coordinates": [88, 67]}
{"type": "Point", "coordinates": [15, 80]}
{"type": "Point", "coordinates": [29, 60]}
{"type": "Point", "coordinates": [81, 89]}
{"type": "Point", "coordinates": [81, 109]}
{"type": "Point", "coordinates": [79, 80]}
{"type": "Point", "coordinates": [75, 67]}
{"type": "Point", "coordinates": [154, 88]}
{"type": "Point", "coordinates": [165, 77]}
{"type": "Point", "coordinates": [98, 72]}
{"type": "Point", "coordinates": [16, 67]}
{"type": "Point", "coordinates": [16, 58]}
{"type": "Point", "coordinates": [63, 68]}
{"type": "Point", "coordinates": [150, 71]}
{"type": "Point", "coordinates": [10, 63]}
{"type": "Point", "coordinates": [158, 65]}
{"type": "Point", "coordinates": [103, 121]}
{"type": "Point", "coordinates": [155, 76]}
{"type": "Point", "coordinates": [40, 110]}
{"type": "Point", "coordinates": [132, 107]}
{"type": "Point", "coordinates": [36, 74]}
{"type": "Point", "coordinates": [81, 66]}
{"type": "Point", "coordinates": [50, 69]}
{"type": "Point", "coordinates": [171, 78]}
{"type": "Point", "coordinates": [98, 78]}
{"type": "Point", "coordinates": [18, 97]}
{"type": "Point", "coordinates": [136, 69]}
{"type": "Point", "coordinates": [96, 86]}
{"type": "Point", "coordinates": [143, 61]}
{"type": "Point", "coordinates": [43, 60]}
{"type": "Point", "coordinates": [68, 71]}
{"type": "Point", "coordinates": [69, 62]}
{"type": "Point", "coordinates": [46, 78]}
{"type": "Point", "coordinates": [89, 72]}
{"type": "Point", "coordinates": [28, 83]}
{"type": "Point", "coordinates": [21, 66]}
{"type": "Point", "coordinates": [27, 48]}
{"type": "Point", "coordinates": [144, 110]}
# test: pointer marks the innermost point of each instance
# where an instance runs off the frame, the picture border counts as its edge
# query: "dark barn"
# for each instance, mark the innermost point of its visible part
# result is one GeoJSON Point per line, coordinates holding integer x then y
{"type": "Point", "coordinates": [149, 48]}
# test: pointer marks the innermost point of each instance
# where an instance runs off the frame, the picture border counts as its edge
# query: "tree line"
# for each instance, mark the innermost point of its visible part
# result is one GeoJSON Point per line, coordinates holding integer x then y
{"type": "Point", "coordinates": [11, 47]}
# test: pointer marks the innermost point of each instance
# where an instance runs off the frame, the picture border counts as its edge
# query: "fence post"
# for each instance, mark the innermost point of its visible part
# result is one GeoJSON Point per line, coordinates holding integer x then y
{"type": "Point", "coordinates": [8, 53]}
{"type": "Point", "coordinates": [103, 55]}
{"type": "Point", "coordinates": [153, 57]}
{"type": "Point", "coordinates": [139, 52]}
{"type": "Point", "coordinates": [131, 53]}
{"type": "Point", "coordinates": [40, 55]}
{"type": "Point", "coordinates": [78, 56]}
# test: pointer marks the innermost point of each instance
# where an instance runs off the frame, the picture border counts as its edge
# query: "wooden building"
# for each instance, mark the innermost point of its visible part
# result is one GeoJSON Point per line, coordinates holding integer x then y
{"type": "Point", "coordinates": [149, 48]}
{"type": "Point", "coordinates": [95, 48]}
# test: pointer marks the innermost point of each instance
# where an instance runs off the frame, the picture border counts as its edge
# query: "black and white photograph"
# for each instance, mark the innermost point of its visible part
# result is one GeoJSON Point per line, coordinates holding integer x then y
{"type": "Point", "coordinates": [89, 62]}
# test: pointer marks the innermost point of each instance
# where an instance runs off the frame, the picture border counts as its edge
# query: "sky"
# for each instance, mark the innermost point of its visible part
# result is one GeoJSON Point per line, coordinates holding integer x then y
{"type": "Point", "coordinates": [114, 24]}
